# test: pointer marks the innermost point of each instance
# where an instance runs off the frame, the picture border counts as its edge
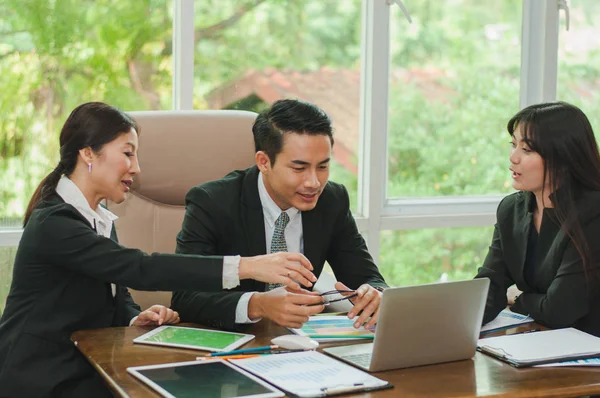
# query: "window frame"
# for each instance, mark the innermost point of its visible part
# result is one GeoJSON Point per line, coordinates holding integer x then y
{"type": "Point", "coordinates": [376, 210]}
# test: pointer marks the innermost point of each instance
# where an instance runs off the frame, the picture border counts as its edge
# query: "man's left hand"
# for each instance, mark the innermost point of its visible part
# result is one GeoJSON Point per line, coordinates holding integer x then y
{"type": "Point", "coordinates": [367, 301]}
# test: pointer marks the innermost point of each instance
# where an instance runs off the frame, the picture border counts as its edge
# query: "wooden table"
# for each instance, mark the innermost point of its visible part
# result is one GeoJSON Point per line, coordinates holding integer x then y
{"type": "Point", "coordinates": [111, 352]}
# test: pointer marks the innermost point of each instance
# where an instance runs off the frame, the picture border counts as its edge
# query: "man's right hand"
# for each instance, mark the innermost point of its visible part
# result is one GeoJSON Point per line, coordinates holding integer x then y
{"type": "Point", "coordinates": [284, 268]}
{"type": "Point", "coordinates": [288, 308]}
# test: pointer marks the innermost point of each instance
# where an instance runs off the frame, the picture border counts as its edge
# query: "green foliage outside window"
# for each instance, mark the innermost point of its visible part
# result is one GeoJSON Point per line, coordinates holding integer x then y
{"type": "Point", "coordinates": [432, 255]}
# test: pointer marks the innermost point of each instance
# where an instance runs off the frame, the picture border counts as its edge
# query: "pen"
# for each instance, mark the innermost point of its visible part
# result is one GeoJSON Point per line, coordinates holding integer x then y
{"type": "Point", "coordinates": [333, 336]}
{"type": "Point", "coordinates": [242, 356]}
{"type": "Point", "coordinates": [531, 331]}
{"type": "Point", "coordinates": [342, 389]}
{"type": "Point", "coordinates": [244, 351]}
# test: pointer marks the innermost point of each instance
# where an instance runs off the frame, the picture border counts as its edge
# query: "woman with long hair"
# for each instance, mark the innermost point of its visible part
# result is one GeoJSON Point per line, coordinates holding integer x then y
{"type": "Point", "coordinates": [70, 273]}
{"type": "Point", "coordinates": [545, 238]}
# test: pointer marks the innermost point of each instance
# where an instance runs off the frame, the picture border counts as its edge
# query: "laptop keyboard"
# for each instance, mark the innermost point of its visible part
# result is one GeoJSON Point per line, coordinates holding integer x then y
{"type": "Point", "coordinates": [363, 360]}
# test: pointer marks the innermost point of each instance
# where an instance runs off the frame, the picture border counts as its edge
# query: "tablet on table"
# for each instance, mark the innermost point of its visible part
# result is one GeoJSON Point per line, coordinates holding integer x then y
{"type": "Point", "coordinates": [199, 339]}
{"type": "Point", "coordinates": [208, 379]}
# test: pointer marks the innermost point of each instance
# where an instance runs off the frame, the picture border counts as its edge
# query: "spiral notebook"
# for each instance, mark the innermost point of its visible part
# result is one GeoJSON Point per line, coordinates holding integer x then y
{"type": "Point", "coordinates": [528, 349]}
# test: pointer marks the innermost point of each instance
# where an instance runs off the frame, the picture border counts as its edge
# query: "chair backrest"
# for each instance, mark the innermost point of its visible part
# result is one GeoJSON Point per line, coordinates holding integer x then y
{"type": "Point", "coordinates": [178, 150]}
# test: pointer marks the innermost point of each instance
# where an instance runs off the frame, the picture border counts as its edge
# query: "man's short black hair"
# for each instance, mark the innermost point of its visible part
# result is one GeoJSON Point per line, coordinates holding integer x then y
{"type": "Point", "coordinates": [288, 116]}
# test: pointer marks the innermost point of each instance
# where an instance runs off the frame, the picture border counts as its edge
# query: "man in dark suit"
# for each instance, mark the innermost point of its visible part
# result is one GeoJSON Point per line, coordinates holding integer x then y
{"type": "Point", "coordinates": [283, 203]}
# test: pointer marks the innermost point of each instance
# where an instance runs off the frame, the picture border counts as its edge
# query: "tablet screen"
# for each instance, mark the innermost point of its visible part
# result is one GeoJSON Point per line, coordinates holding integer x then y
{"type": "Point", "coordinates": [212, 340]}
{"type": "Point", "coordinates": [203, 379]}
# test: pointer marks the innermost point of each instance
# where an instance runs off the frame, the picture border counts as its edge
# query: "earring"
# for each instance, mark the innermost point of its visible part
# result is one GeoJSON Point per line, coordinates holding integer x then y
{"type": "Point", "coordinates": [89, 167]}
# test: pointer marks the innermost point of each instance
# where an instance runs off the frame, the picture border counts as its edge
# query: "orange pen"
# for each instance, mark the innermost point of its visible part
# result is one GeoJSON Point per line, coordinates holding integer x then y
{"type": "Point", "coordinates": [241, 356]}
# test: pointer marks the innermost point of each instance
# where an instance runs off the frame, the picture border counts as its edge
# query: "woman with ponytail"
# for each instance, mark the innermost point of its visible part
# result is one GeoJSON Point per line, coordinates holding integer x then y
{"type": "Point", "coordinates": [546, 235]}
{"type": "Point", "coordinates": [71, 274]}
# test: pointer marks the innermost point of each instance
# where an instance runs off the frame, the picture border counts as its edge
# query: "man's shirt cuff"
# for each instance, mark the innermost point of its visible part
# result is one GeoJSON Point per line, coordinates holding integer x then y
{"type": "Point", "coordinates": [231, 272]}
{"type": "Point", "coordinates": [241, 311]}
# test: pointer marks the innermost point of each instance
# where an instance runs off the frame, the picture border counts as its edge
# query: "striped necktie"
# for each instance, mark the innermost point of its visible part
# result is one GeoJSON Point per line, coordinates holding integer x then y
{"type": "Point", "coordinates": [278, 241]}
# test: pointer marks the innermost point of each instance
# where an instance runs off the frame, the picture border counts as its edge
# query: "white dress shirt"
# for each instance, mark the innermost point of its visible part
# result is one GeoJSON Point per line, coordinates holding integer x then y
{"type": "Point", "coordinates": [293, 239]}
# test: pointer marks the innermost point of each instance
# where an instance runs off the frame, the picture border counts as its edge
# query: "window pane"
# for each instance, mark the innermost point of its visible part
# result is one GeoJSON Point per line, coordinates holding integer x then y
{"type": "Point", "coordinates": [55, 55]}
{"type": "Point", "coordinates": [250, 54]}
{"type": "Point", "coordinates": [578, 57]}
{"type": "Point", "coordinates": [431, 255]}
{"type": "Point", "coordinates": [7, 259]}
{"type": "Point", "coordinates": [454, 83]}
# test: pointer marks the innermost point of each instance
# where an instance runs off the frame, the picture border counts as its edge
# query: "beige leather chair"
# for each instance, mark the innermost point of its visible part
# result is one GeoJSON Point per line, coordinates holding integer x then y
{"type": "Point", "coordinates": [178, 150]}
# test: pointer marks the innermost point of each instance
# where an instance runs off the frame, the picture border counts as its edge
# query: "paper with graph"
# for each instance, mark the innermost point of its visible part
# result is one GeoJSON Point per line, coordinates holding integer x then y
{"type": "Point", "coordinates": [506, 319]}
{"type": "Point", "coordinates": [333, 328]}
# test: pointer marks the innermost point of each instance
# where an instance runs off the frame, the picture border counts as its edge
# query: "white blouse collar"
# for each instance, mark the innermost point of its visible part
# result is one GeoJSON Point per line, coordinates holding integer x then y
{"type": "Point", "coordinates": [100, 219]}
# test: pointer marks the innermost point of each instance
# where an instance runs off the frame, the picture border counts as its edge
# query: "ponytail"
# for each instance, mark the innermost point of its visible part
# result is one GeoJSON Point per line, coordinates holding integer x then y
{"type": "Point", "coordinates": [46, 188]}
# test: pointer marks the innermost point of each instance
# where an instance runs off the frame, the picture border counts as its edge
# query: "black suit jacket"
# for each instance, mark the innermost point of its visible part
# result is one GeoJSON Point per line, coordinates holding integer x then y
{"type": "Point", "coordinates": [225, 217]}
{"type": "Point", "coordinates": [560, 295]}
{"type": "Point", "coordinates": [61, 283]}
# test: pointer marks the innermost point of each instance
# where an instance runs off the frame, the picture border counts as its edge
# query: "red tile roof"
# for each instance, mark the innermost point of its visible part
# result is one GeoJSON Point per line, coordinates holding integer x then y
{"type": "Point", "coordinates": [336, 91]}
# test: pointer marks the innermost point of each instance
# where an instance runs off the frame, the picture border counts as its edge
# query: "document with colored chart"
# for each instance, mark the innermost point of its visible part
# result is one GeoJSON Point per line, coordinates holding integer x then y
{"type": "Point", "coordinates": [576, 362]}
{"type": "Point", "coordinates": [334, 328]}
{"type": "Point", "coordinates": [506, 319]}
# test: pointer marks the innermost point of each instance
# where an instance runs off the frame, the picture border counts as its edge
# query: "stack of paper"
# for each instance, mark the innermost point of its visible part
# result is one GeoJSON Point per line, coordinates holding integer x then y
{"type": "Point", "coordinates": [528, 349]}
{"type": "Point", "coordinates": [333, 328]}
{"type": "Point", "coordinates": [505, 319]}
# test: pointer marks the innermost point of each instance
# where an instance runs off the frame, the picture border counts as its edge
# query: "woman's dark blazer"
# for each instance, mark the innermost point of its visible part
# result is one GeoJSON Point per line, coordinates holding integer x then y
{"type": "Point", "coordinates": [61, 283]}
{"type": "Point", "coordinates": [562, 295]}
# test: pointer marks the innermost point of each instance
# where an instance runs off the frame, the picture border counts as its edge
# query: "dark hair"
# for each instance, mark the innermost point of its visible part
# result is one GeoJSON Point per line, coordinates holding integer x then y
{"type": "Point", "coordinates": [288, 116]}
{"type": "Point", "coordinates": [92, 124]}
{"type": "Point", "coordinates": [562, 135]}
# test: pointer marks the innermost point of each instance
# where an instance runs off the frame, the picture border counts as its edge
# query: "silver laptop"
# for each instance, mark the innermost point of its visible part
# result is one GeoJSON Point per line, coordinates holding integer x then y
{"type": "Point", "coordinates": [422, 325]}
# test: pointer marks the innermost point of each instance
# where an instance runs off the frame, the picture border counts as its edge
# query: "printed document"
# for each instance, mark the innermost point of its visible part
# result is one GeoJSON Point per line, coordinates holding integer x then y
{"type": "Point", "coordinates": [505, 319]}
{"type": "Point", "coordinates": [310, 374]}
